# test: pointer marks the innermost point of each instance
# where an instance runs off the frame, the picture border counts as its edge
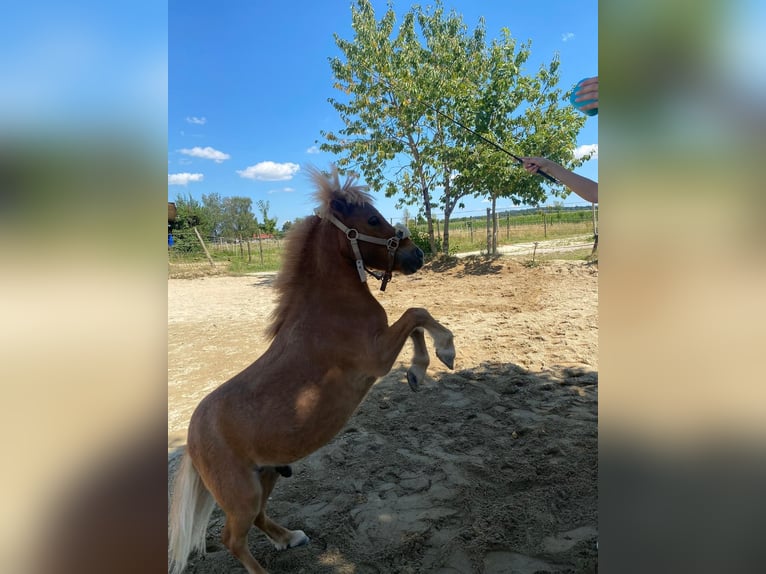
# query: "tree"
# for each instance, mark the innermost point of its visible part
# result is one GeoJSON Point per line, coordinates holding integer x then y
{"type": "Point", "coordinates": [405, 93]}
{"type": "Point", "coordinates": [268, 225]}
{"type": "Point", "coordinates": [239, 221]}
{"type": "Point", "coordinates": [214, 214]}
{"type": "Point", "coordinates": [190, 213]}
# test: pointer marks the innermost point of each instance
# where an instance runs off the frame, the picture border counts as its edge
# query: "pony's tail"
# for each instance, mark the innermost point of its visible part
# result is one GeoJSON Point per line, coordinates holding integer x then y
{"type": "Point", "coordinates": [190, 510]}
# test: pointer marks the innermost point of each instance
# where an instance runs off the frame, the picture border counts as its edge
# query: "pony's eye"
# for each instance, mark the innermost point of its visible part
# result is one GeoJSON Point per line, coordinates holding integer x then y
{"type": "Point", "coordinates": [373, 220]}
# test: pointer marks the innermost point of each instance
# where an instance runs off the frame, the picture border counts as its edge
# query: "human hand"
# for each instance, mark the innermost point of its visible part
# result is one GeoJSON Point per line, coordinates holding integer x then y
{"type": "Point", "coordinates": [587, 90]}
{"type": "Point", "coordinates": [534, 164]}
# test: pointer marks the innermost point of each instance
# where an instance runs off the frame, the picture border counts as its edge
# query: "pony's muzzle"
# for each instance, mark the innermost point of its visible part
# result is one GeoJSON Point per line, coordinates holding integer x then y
{"type": "Point", "coordinates": [410, 260]}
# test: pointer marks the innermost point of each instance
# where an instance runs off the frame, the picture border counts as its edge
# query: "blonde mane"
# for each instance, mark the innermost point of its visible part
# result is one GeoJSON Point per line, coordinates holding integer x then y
{"type": "Point", "coordinates": [298, 255]}
{"type": "Point", "coordinates": [328, 187]}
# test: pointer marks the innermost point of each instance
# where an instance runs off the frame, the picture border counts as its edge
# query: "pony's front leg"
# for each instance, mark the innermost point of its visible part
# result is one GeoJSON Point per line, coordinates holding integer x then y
{"type": "Point", "coordinates": [420, 360]}
{"type": "Point", "coordinates": [412, 323]}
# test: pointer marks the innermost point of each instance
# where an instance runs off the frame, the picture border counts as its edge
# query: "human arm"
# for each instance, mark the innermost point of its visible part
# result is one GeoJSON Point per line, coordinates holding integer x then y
{"type": "Point", "coordinates": [582, 186]}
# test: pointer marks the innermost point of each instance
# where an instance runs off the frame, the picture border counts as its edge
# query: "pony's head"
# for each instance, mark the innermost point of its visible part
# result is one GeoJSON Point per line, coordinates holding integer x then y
{"type": "Point", "coordinates": [364, 233]}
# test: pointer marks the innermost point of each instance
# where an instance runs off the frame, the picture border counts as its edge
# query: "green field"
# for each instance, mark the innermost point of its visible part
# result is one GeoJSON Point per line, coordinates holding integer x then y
{"type": "Point", "coordinates": [187, 257]}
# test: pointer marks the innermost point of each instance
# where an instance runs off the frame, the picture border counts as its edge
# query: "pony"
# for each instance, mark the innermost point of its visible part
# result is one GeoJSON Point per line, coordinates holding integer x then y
{"type": "Point", "coordinates": [330, 342]}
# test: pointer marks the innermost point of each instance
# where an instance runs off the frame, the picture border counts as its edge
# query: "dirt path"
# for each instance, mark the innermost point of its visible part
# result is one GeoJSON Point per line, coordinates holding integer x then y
{"type": "Point", "coordinates": [491, 468]}
{"type": "Point", "coordinates": [548, 246]}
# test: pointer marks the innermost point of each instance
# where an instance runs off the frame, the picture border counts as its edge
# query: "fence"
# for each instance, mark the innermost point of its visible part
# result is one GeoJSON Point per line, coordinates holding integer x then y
{"type": "Point", "coordinates": [477, 232]}
{"type": "Point", "coordinates": [191, 253]}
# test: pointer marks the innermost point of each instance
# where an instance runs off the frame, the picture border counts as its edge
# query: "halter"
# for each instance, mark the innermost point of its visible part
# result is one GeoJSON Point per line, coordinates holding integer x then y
{"type": "Point", "coordinates": [392, 243]}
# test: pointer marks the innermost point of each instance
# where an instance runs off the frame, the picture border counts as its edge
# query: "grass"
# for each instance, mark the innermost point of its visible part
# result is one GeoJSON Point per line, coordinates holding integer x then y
{"type": "Point", "coordinates": [187, 259]}
{"type": "Point", "coordinates": [271, 262]}
{"type": "Point", "coordinates": [576, 255]}
{"type": "Point", "coordinates": [231, 257]}
{"type": "Point", "coordinates": [462, 241]}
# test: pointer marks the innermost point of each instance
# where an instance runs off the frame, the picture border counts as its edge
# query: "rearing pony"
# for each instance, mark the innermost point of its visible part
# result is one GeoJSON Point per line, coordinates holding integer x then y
{"type": "Point", "coordinates": [331, 342]}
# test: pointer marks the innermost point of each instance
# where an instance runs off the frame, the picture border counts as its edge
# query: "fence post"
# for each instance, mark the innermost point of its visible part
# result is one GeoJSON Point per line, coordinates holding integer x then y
{"type": "Point", "coordinates": [260, 243]}
{"type": "Point", "coordinates": [207, 253]}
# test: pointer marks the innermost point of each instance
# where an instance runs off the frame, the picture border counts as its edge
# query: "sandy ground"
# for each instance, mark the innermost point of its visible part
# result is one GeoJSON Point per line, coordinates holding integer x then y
{"type": "Point", "coordinates": [490, 468]}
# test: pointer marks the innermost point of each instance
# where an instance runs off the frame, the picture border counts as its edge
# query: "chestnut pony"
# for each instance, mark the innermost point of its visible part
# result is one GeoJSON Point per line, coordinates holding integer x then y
{"type": "Point", "coordinates": [330, 342]}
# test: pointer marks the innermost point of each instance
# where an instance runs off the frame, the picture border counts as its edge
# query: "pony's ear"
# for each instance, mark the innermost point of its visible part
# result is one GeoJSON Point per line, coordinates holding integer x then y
{"type": "Point", "coordinates": [340, 206]}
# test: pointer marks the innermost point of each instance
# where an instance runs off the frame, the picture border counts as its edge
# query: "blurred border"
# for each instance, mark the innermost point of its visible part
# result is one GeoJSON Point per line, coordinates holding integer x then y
{"type": "Point", "coordinates": [83, 184]}
{"type": "Point", "coordinates": [682, 417]}
{"type": "Point", "coordinates": [83, 287]}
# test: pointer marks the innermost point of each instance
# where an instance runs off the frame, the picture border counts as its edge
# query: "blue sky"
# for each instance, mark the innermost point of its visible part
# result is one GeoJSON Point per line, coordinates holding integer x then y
{"type": "Point", "coordinates": [248, 84]}
{"type": "Point", "coordinates": [72, 68]}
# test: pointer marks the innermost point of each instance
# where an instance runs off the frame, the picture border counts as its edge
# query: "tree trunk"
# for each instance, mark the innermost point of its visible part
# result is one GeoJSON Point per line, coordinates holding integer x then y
{"type": "Point", "coordinates": [494, 225]}
{"type": "Point", "coordinates": [489, 231]}
{"type": "Point", "coordinates": [595, 221]}
{"type": "Point", "coordinates": [445, 235]}
{"type": "Point", "coordinates": [449, 204]}
{"type": "Point", "coordinates": [429, 220]}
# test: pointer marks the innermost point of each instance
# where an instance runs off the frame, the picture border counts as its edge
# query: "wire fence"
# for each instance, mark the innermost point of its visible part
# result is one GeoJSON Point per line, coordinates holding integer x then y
{"type": "Point", "coordinates": [191, 253]}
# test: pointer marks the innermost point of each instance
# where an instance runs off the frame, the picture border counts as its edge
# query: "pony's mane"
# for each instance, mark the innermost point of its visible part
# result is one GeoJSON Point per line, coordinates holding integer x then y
{"type": "Point", "coordinates": [298, 254]}
{"type": "Point", "coordinates": [328, 187]}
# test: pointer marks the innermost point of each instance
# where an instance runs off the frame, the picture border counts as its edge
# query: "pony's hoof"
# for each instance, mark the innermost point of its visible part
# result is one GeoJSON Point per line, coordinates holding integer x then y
{"type": "Point", "coordinates": [447, 357]}
{"type": "Point", "coordinates": [413, 381]}
{"type": "Point", "coordinates": [298, 538]}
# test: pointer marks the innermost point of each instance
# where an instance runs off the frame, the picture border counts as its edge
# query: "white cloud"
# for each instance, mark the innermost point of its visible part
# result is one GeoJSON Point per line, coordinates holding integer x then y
{"type": "Point", "coordinates": [313, 149]}
{"type": "Point", "coordinates": [283, 190]}
{"type": "Point", "coordinates": [183, 178]}
{"type": "Point", "coordinates": [269, 171]}
{"type": "Point", "coordinates": [206, 153]}
{"type": "Point", "coordinates": [196, 120]}
{"type": "Point", "coordinates": [584, 150]}
{"type": "Point", "coordinates": [567, 36]}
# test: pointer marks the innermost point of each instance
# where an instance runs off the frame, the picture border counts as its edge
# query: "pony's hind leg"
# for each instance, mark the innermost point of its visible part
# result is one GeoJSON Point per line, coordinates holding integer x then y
{"type": "Point", "coordinates": [235, 538]}
{"type": "Point", "coordinates": [281, 537]}
{"type": "Point", "coordinates": [239, 497]}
